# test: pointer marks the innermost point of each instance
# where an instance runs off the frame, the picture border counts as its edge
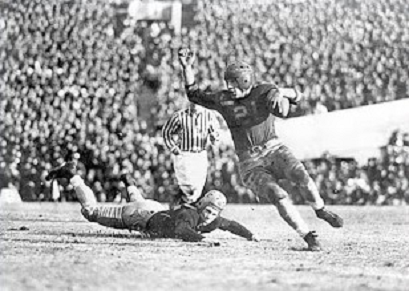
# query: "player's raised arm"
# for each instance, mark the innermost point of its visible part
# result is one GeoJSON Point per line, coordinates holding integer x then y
{"type": "Point", "coordinates": [194, 94]}
{"type": "Point", "coordinates": [186, 59]}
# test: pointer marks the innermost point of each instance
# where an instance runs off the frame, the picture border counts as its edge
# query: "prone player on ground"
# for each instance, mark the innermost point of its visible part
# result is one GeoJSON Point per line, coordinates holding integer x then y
{"type": "Point", "coordinates": [150, 217]}
{"type": "Point", "coordinates": [250, 111]}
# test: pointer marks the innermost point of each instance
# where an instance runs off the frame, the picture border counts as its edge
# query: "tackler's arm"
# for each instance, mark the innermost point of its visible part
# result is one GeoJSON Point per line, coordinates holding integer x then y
{"type": "Point", "coordinates": [236, 228]}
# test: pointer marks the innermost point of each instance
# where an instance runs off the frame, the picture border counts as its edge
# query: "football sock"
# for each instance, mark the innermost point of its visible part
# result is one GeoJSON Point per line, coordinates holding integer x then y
{"type": "Point", "coordinates": [110, 216]}
{"type": "Point", "coordinates": [134, 194]}
{"type": "Point", "coordinates": [85, 195]}
{"type": "Point", "coordinates": [314, 198]}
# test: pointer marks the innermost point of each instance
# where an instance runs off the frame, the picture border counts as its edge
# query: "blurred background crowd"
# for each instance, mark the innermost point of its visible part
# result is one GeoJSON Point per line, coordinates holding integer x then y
{"type": "Point", "coordinates": [79, 82]}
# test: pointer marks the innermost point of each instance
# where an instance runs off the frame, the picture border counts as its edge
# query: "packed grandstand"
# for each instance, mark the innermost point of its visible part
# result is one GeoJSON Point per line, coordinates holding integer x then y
{"type": "Point", "coordinates": [77, 79]}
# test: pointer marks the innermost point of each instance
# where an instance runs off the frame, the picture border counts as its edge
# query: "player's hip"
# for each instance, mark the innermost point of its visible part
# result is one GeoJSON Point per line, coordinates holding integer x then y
{"type": "Point", "coordinates": [136, 215]}
{"type": "Point", "coordinates": [256, 154]}
{"type": "Point", "coordinates": [276, 160]}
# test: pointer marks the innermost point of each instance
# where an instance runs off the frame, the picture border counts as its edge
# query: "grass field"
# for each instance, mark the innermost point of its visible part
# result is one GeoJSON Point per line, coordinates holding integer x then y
{"type": "Point", "coordinates": [50, 246]}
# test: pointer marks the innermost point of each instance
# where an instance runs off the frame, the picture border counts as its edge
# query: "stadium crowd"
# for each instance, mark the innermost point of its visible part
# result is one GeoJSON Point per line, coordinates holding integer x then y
{"type": "Point", "coordinates": [75, 80]}
{"type": "Point", "coordinates": [381, 181]}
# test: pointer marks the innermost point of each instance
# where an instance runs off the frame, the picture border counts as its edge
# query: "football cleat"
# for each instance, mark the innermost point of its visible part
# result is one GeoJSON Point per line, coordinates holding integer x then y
{"type": "Point", "coordinates": [333, 219]}
{"type": "Point", "coordinates": [312, 241]}
{"type": "Point", "coordinates": [66, 170]}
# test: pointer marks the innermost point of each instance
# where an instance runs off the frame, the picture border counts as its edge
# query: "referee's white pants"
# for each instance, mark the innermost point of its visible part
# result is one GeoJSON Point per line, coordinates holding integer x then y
{"type": "Point", "coordinates": [191, 172]}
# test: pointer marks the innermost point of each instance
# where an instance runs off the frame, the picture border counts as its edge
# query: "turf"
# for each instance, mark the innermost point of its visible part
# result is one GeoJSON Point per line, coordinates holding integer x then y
{"type": "Point", "coordinates": [46, 246]}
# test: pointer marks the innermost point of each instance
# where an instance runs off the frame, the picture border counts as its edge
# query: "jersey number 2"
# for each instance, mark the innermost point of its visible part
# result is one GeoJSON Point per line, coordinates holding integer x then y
{"type": "Point", "coordinates": [242, 111]}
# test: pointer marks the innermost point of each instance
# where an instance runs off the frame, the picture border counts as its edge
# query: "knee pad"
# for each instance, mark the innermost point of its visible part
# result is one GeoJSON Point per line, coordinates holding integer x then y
{"type": "Point", "coordinates": [272, 193]}
{"type": "Point", "coordinates": [137, 214]}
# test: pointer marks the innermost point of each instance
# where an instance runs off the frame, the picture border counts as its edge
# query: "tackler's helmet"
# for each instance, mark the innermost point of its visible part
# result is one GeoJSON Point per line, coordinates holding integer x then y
{"type": "Point", "coordinates": [241, 73]}
{"type": "Point", "coordinates": [214, 199]}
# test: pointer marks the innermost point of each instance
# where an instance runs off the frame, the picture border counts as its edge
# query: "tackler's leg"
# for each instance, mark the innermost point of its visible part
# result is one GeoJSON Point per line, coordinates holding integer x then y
{"type": "Point", "coordinates": [265, 187]}
{"type": "Point", "coordinates": [136, 214]}
{"type": "Point", "coordinates": [132, 192]}
{"type": "Point", "coordinates": [68, 171]}
{"type": "Point", "coordinates": [110, 216]}
{"type": "Point", "coordinates": [296, 173]}
{"type": "Point", "coordinates": [106, 215]}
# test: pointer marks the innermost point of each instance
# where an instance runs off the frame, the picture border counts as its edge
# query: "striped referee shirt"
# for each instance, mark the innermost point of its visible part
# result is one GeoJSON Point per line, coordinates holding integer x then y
{"type": "Point", "coordinates": [192, 128]}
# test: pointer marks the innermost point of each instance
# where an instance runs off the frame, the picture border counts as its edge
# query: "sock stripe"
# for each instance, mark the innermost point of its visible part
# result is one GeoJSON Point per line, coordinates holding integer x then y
{"type": "Point", "coordinates": [111, 212]}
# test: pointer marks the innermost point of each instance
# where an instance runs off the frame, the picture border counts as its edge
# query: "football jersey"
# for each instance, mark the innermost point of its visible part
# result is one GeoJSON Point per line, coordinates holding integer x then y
{"type": "Point", "coordinates": [249, 119]}
{"type": "Point", "coordinates": [185, 223]}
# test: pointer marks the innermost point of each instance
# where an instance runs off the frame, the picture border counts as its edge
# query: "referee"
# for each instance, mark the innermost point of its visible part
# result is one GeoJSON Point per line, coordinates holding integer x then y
{"type": "Point", "coordinates": [186, 134]}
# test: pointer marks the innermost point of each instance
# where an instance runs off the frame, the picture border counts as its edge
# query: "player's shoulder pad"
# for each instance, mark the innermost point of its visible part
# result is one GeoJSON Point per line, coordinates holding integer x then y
{"type": "Point", "coordinates": [226, 95]}
{"type": "Point", "coordinates": [261, 89]}
{"type": "Point", "coordinates": [187, 215]}
{"type": "Point", "coordinates": [266, 86]}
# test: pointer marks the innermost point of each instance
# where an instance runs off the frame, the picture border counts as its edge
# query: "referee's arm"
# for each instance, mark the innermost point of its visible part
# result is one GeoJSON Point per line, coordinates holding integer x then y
{"type": "Point", "coordinates": [214, 127]}
{"type": "Point", "coordinates": [169, 129]}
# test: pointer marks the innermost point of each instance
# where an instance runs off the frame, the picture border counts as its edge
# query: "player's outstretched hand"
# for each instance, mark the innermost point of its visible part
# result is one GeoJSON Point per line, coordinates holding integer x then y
{"type": "Point", "coordinates": [255, 238]}
{"type": "Point", "coordinates": [186, 57]}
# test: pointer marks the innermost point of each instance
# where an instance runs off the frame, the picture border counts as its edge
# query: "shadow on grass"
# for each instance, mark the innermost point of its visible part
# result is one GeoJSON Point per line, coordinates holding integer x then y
{"type": "Point", "coordinates": [40, 219]}
{"type": "Point", "coordinates": [303, 249]}
{"type": "Point", "coordinates": [97, 234]}
{"type": "Point", "coordinates": [138, 242]}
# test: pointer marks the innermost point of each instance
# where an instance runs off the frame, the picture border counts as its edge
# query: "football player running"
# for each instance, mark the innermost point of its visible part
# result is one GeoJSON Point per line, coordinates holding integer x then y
{"type": "Point", "coordinates": [151, 217]}
{"type": "Point", "coordinates": [249, 111]}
